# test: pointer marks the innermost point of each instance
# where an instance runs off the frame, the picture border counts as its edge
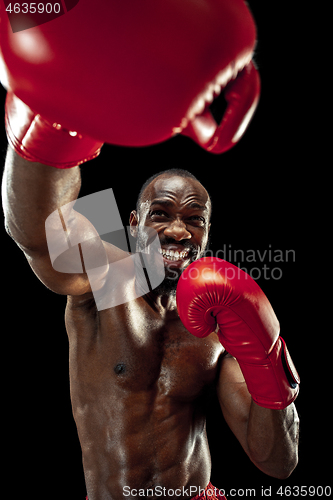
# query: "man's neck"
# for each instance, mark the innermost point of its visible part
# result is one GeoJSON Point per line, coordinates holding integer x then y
{"type": "Point", "coordinates": [163, 302]}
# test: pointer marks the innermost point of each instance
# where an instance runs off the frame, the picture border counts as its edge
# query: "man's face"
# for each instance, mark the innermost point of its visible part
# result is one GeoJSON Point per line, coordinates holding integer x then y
{"type": "Point", "coordinates": [178, 209]}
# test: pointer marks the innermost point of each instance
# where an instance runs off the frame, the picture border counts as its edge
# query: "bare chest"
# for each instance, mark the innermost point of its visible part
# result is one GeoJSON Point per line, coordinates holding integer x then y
{"type": "Point", "coordinates": [131, 349]}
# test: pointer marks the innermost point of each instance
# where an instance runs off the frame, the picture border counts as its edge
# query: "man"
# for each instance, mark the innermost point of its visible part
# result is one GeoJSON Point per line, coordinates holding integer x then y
{"type": "Point", "coordinates": [138, 377]}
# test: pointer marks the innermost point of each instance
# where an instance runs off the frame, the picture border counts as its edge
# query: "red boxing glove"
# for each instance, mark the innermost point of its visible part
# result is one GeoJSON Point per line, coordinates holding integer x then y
{"type": "Point", "coordinates": [212, 291]}
{"type": "Point", "coordinates": [242, 96]}
{"type": "Point", "coordinates": [135, 76]}
{"type": "Point", "coordinates": [36, 139]}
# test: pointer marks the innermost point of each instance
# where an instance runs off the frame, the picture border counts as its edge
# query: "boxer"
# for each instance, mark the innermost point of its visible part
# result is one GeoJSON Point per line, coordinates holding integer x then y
{"type": "Point", "coordinates": [140, 372]}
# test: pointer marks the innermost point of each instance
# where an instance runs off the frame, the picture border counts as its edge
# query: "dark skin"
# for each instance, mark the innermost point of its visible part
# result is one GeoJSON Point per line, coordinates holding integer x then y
{"type": "Point", "coordinates": [138, 378]}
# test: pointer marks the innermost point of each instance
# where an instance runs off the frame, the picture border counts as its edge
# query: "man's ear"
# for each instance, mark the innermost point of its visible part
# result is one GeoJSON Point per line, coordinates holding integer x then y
{"type": "Point", "coordinates": [134, 222]}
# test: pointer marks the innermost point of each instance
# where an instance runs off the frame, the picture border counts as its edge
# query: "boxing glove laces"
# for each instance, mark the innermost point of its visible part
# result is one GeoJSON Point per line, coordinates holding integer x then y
{"type": "Point", "coordinates": [212, 292]}
{"type": "Point", "coordinates": [36, 139]}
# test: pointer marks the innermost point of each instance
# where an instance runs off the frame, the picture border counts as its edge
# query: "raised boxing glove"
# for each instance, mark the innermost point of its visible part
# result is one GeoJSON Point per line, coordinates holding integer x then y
{"type": "Point", "coordinates": [135, 76]}
{"type": "Point", "coordinates": [213, 292]}
{"type": "Point", "coordinates": [242, 96]}
{"type": "Point", "coordinates": [36, 139]}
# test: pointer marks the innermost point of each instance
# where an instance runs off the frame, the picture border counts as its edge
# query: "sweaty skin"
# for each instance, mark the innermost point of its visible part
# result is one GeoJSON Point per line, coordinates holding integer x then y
{"type": "Point", "coordinates": [138, 379]}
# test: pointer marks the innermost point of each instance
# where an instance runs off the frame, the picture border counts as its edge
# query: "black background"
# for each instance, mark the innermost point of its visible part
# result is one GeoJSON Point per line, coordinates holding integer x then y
{"type": "Point", "coordinates": [255, 188]}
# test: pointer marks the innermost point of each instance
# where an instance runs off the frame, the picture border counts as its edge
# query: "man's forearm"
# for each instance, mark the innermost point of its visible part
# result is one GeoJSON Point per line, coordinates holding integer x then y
{"type": "Point", "coordinates": [30, 193]}
{"type": "Point", "coordinates": [272, 437]}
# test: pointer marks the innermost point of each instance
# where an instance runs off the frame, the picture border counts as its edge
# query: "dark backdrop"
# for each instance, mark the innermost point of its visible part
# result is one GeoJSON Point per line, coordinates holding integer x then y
{"type": "Point", "coordinates": [255, 188]}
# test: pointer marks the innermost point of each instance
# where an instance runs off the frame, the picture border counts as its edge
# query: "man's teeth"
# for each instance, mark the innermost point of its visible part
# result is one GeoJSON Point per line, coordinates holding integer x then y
{"type": "Point", "coordinates": [173, 255]}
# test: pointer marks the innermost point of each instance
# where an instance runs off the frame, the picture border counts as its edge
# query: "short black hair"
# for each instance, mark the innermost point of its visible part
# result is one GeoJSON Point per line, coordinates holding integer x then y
{"type": "Point", "coordinates": [180, 172]}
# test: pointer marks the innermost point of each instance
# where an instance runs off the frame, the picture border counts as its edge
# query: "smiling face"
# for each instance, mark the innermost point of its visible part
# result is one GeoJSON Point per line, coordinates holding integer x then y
{"type": "Point", "coordinates": [179, 210]}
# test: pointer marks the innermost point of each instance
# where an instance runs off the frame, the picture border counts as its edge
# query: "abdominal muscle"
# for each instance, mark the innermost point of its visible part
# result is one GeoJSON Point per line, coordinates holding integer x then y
{"type": "Point", "coordinates": [138, 384]}
{"type": "Point", "coordinates": [143, 442]}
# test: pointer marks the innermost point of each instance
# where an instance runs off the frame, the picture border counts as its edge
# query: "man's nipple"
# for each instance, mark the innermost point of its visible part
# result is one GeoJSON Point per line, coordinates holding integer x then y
{"type": "Point", "coordinates": [120, 368]}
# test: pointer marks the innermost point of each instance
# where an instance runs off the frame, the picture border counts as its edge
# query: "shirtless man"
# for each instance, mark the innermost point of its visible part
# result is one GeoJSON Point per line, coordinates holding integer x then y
{"type": "Point", "coordinates": [138, 378]}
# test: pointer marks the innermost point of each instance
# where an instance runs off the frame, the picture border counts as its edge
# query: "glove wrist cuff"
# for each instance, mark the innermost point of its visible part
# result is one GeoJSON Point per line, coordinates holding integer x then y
{"type": "Point", "coordinates": [37, 140]}
{"type": "Point", "coordinates": [275, 384]}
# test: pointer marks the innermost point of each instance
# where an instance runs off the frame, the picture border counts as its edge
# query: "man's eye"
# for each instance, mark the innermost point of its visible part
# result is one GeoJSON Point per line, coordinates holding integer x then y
{"type": "Point", "coordinates": [158, 213]}
{"type": "Point", "coordinates": [197, 218]}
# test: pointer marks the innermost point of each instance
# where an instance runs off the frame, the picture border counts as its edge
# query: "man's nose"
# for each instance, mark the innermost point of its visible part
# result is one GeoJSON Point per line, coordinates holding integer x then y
{"type": "Point", "coordinates": [177, 230]}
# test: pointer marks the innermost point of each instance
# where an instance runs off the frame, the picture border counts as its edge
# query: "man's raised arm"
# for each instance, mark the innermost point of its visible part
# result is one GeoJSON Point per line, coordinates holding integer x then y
{"type": "Point", "coordinates": [41, 175]}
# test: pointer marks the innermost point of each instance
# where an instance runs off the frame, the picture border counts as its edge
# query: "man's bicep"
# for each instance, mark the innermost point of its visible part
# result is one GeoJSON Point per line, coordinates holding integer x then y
{"type": "Point", "coordinates": [234, 397]}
